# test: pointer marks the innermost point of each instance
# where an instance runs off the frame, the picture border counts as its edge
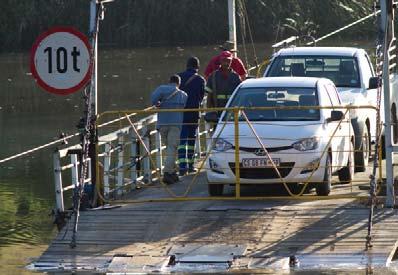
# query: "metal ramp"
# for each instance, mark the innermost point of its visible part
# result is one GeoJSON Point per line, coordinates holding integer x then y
{"type": "Point", "coordinates": [223, 236]}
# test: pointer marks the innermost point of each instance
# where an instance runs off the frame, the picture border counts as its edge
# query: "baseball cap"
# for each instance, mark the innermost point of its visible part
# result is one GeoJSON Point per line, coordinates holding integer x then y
{"type": "Point", "coordinates": [228, 46]}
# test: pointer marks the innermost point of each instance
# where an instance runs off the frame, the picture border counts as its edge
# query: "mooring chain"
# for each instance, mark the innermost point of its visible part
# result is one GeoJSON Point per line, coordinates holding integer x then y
{"type": "Point", "coordinates": [87, 124]}
{"type": "Point", "coordinates": [376, 157]}
{"type": "Point", "coordinates": [78, 190]}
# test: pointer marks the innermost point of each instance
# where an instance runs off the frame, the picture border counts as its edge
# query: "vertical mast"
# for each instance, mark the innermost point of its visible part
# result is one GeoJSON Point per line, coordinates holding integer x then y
{"type": "Point", "coordinates": [232, 22]}
{"type": "Point", "coordinates": [387, 29]}
{"type": "Point", "coordinates": [93, 32]}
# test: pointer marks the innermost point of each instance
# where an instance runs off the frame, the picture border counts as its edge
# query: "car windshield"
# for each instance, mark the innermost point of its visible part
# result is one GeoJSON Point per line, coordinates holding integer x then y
{"type": "Point", "coordinates": [343, 71]}
{"type": "Point", "coordinates": [275, 98]}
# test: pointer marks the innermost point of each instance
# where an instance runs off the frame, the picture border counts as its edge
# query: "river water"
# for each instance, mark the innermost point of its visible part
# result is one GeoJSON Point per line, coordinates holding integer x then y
{"type": "Point", "coordinates": [30, 117]}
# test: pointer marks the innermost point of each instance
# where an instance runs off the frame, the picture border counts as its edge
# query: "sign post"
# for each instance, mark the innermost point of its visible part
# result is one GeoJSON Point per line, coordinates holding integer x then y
{"type": "Point", "coordinates": [60, 60]}
{"type": "Point", "coordinates": [93, 30]}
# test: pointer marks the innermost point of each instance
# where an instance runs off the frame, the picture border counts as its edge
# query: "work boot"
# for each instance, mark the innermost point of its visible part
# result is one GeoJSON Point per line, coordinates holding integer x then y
{"type": "Point", "coordinates": [192, 170]}
{"type": "Point", "coordinates": [183, 172]}
{"type": "Point", "coordinates": [175, 177]}
{"type": "Point", "coordinates": [168, 178]}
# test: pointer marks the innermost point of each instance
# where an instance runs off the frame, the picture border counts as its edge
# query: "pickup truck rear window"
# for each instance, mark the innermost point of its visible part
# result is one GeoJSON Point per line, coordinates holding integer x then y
{"type": "Point", "coordinates": [276, 99]}
{"type": "Point", "coordinates": [343, 71]}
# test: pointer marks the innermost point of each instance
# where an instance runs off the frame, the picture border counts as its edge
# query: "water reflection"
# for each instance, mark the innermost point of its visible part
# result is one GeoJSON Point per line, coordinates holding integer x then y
{"type": "Point", "coordinates": [24, 214]}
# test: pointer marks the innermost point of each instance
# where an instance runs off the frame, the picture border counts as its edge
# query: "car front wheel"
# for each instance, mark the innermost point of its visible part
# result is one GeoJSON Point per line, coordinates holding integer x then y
{"type": "Point", "coordinates": [215, 189]}
{"type": "Point", "coordinates": [323, 188]}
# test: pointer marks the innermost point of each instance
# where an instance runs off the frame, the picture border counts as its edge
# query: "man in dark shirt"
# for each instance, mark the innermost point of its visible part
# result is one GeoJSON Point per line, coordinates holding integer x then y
{"type": "Point", "coordinates": [193, 84]}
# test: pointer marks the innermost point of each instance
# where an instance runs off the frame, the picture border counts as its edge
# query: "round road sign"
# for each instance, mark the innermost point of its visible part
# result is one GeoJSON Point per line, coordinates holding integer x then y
{"type": "Point", "coordinates": [60, 60]}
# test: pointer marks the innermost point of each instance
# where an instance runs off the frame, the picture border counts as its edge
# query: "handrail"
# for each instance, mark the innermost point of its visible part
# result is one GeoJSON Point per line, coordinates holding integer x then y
{"type": "Point", "coordinates": [117, 137]}
{"type": "Point", "coordinates": [118, 142]}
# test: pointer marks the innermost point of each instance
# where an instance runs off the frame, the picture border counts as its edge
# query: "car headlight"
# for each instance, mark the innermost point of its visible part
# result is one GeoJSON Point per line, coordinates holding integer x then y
{"type": "Point", "coordinates": [306, 144]}
{"type": "Point", "coordinates": [222, 145]}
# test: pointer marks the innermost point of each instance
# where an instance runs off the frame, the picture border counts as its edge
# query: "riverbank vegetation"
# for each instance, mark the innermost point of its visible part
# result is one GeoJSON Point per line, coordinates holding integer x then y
{"type": "Point", "coordinates": [137, 23]}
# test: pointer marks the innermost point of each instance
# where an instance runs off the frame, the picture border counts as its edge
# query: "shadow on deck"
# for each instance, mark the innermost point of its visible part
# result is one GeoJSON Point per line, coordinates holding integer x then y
{"type": "Point", "coordinates": [222, 235]}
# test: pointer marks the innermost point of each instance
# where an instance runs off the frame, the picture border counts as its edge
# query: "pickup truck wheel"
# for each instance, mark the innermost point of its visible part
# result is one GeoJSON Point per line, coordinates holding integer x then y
{"type": "Point", "coordinates": [323, 188]}
{"type": "Point", "coordinates": [215, 189]}
{"type": "Point", "coordinates": [346, 174]}
{"type": "Point", "coordinates": [362, 155]}
{"type": "Point", "coordinates": [394, 122]}
{"type": "Point", "coordinates": [383, 147]}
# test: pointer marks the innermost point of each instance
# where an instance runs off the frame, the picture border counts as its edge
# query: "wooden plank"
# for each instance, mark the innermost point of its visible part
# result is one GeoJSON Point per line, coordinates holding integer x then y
{"type": "Point", "coordinates": [266, 230]}
{"type": "Point", "coordinates": [314, 235]}
{"type": "Point", "coordinates": [151, 229]}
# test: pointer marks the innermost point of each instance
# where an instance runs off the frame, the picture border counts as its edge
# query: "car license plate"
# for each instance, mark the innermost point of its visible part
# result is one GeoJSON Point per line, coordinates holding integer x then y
{"type": "Point", "coordinates": [259, 162]}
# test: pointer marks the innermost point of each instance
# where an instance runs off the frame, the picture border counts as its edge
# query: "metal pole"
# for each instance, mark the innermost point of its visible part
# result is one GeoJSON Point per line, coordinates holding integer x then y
{"type": "Point", "coordinates": [197, 153]}
{"type": "Point", "coordinates": [237, 161]}
{"type": "Point", "coordinates": [120, 165]}
{"type": "Point", "coordinates": [107, 164]}
{"type": "Point", "coordinates": [134, 161]}
{"type": "Point", "coordinates": [146, 161]}
{"type": "Point", "coordinates": [94, 40]}
{"type": "Point", "coordinates": [75, 169]}
{"type": "Point", "coordinates": [159, 162]}
{"type": "Point", "coordinates": [59, 197]}
{"type": "Point", "coordinates": [232, 22]}
{"type": "Point", "coordinates": [93, 91]}
{"type": "Point", "coordinates": [386, 21]}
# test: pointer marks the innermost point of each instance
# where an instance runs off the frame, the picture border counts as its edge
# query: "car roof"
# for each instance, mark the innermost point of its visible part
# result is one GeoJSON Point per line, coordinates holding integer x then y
{"type": "Point", "coordinates": [332, 51]}
{"type": "Point", "coordinates": [304, 82]}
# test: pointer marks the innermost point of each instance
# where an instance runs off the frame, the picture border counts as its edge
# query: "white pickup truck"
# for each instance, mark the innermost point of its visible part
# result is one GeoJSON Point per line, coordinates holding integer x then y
{"type": "Point", "coordinates": [352, 72]}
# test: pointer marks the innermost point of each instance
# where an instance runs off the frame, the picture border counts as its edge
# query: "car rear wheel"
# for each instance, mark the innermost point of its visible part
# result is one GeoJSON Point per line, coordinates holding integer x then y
{"type": "Point", "coordinates": [215, 189]}
{"type": "Point", "coordinates": [363, 153]}
{"type": "Point", "coordinates": [323, 188]}
{"type": "Point", "coordinates": [346, 174]}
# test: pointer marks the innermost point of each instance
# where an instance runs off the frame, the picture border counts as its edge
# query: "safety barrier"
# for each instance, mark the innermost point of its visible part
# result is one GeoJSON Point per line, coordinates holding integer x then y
{"type": "Point", "coordinates": [118, 152]}
{"type": "Point", "coordinates": [132, 156]}
{"type": "Point", "coordinates": [59, 159]}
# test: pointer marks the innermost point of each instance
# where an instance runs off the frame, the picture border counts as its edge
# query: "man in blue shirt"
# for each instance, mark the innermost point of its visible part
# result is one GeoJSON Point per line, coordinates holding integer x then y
{"type": "Point", "coordinates": [169, 96]}
{"type": "Point", "coordinates": [194, 85]}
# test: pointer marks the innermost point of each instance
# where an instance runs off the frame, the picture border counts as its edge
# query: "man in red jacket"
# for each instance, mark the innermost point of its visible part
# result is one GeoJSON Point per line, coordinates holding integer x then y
{"type": "Point", "coordinates": [222, 82]}
{"type": "Point", "coordinates": [236, 64]}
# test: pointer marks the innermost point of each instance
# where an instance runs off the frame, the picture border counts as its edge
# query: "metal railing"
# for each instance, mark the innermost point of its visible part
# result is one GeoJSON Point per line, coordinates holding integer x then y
{"type": "Point", "coordinates": [131, 156]}
{"type": "Point", "coordinates": [114, 160]}
{"type": "Point", "coordinates": [59, 157]}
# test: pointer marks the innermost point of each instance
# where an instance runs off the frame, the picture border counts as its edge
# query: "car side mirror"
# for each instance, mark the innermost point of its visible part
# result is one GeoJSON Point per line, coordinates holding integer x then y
{"type": "Point", "coordinates": [335, 116]}
{"type": "Point", "coordinates": [211, 117]}
{"type": "Point", "coordinates": [374, 82]}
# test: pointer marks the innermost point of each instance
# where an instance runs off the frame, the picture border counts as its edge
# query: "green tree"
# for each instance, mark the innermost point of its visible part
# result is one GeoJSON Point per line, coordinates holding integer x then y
{"type": "Point", "coordinates": [131, 23]}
